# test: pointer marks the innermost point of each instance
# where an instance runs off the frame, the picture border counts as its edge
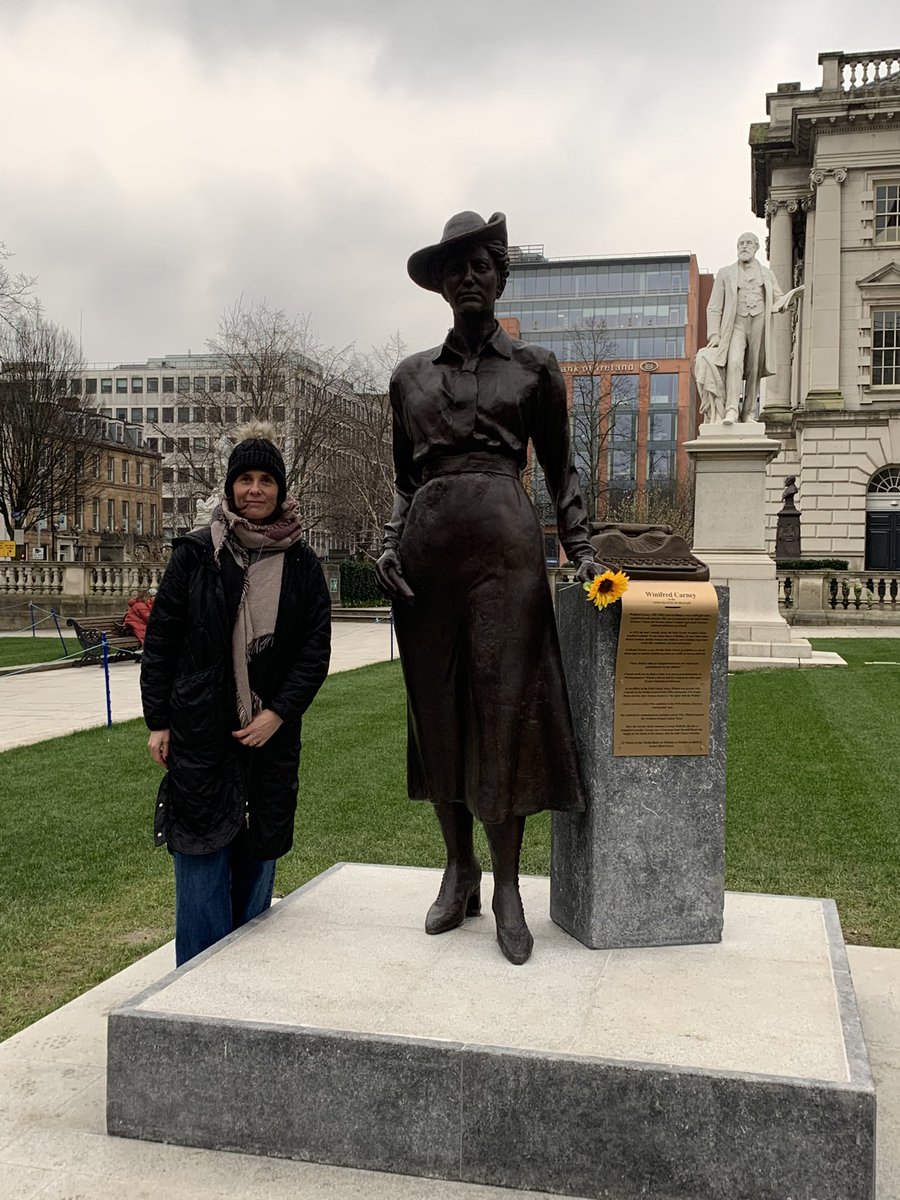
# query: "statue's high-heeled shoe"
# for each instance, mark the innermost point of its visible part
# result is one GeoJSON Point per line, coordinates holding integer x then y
{"type": "Point", "coordinates": [513, 935]}
{"type": "Point", "coordinates": [447, 914]}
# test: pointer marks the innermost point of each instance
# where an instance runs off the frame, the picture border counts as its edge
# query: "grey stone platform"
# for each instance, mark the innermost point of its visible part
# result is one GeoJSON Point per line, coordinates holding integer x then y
{"type": "Point", "coordinates": [333, 1030]}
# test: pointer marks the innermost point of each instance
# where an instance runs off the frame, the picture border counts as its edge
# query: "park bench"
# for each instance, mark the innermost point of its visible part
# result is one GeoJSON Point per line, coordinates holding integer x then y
{"type": "Point", "coordinates": [120, 642]}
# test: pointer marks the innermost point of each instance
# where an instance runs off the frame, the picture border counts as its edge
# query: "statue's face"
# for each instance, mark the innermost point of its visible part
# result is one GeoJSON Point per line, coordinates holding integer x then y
{"type": "Point", "coordinates": [747, 246]}
{"type": "Point", "coordinates": [470, 282]}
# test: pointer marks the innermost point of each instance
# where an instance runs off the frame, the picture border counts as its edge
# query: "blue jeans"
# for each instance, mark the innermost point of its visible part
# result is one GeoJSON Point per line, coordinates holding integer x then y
{"type": "Point", "coordinates": [217, 893]}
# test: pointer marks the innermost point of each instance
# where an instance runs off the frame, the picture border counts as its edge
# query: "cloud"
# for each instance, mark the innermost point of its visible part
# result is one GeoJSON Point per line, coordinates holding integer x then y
{"type": "Point", "coordinates": [164, 158]}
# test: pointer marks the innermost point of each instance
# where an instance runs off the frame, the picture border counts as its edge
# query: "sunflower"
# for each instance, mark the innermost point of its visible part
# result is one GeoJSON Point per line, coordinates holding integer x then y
{"type": "Point", "coordinates": [606, 588]}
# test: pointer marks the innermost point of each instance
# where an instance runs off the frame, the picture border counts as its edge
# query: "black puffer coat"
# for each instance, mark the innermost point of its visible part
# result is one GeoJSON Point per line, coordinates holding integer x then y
{"type": "Point", "coordinates": [214, 785]}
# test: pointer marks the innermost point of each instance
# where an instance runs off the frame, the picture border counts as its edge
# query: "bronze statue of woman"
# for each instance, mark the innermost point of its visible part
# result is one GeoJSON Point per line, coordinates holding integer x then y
{"type": "Point", "coordinates": [490, 731]}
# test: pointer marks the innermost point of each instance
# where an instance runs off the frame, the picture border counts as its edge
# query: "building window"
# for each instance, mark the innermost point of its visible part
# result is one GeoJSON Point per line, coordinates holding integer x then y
{"type": "Point", "coordinates": [74, 387]}
{"type": "Point", "coordinates": [168, 445]}
{"type": "Point", "coordinates": [137, 384]}
{"type": "Point", "coordinates": [168, 383]}
{"type": "Point", "coordinates": [278, 413]}
{"type": "Point", "coordinates": [199, 443]}
{"type": "Point", "coordinates": [887, 212]}
{"type": "Point", "coordinates": [230, 383]}
{"type": "Point", "coordinates": [152, 384]}
{"type": "Point", "coordinates": [198, 416]}
{"type": "Point", "coordinates": [153, 444]}
{"type": "Point", "coordinates": [152, 475]}
{"type": "Point", "coordinates": [139, 518]}
{"type": "Point", "coordinates": [184, 383]}
{"type": "Point", "coordinates": [168, 504]}
{"type": "Point", "coordinates": [124, 470]}
{"type": "Point", "coordinates": [95, 468]}
{"type": "Point", "coordinates": [184, 416]}
{"type": "Point", "coordinates": [90, 387]}
{"type": "Point", "coordinates": [152, 416]}
{"type": "Point", "coordinates": [153, 519]}
{"type": "Point", "coordinates": [121, 387]}
{"type": "Point", "coordinates": [106, 387]}
{"type": "Point", "coordinates": [230, 415]}
{"type": "Point", "coordinates": [137, 416]}
{"type": "Point", "coordinates": [95, 514]}
{"type": "Point", "coordinates": [199, 383]}
{"type": "Point", "coordinates": [110, 469]}
{"type": "Point", "coordinates": [184, 504]}
{"type": "Point", "coordinates": [623, 433]}
{"type": "Point", "coordinates": [168, 474]}
{"type": "Point", "coordinates": [886, 348]}
{"type": "Point", "coordinates": [184, 445]}
{"type": "Point", "coordinates": [168, 416]}
{"type": "Point", "coordinates": [139, 471]}
{"type": "Point", "coordinates": [215, 383]}
{"type": "Point", "coordinates": [126, 512]}
{"type": "Point", "coordinates": [110, 515]}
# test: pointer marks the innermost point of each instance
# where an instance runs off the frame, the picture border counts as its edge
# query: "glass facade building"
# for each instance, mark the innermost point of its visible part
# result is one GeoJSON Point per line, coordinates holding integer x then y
{"type": "Point", "coordinates": [625, 331]}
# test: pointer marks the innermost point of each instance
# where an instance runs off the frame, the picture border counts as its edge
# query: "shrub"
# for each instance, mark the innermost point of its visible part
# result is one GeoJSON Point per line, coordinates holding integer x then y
{"type": "Point", "coordinates": [812, 564]}
{"type": "Point", "coordinates": [359, 584]}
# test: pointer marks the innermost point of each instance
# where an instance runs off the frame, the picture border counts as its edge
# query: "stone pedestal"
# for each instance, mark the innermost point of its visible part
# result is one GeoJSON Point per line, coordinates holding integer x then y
{"type": "Point", "coordinates": [730, 536]}
{"type": "Point", "coordinates": [787, 535]}
{"type": "Point", "coordinates": [333, 1030]}
{"type": "Point", "coordinates": [645, 865]}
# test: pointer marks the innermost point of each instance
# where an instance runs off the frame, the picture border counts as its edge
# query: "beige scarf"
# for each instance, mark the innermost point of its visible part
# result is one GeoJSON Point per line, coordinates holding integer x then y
{"type": "Point", "coordinates": [259, 552]}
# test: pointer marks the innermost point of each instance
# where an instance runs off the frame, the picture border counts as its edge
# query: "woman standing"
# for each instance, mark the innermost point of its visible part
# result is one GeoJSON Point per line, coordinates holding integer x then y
{"type": "Point", "coordinates": [237, 645]}
{"type": "Point", "coordinates": [490, 731]}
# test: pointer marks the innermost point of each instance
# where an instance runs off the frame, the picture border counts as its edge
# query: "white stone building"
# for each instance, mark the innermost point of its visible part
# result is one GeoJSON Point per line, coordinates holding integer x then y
{"type": "Point", "coordinates": [826, 175]}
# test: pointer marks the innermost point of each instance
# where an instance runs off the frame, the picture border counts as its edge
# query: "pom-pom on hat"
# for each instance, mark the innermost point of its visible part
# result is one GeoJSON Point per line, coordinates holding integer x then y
{"type": "Point", "coordinates": [463, 230]}
{"type": "Point", "coordinates": [256, 452]}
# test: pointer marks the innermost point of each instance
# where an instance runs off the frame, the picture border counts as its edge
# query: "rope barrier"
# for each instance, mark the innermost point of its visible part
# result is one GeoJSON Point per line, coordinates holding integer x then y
{"type": "Point", "coordinates": [70, 658]}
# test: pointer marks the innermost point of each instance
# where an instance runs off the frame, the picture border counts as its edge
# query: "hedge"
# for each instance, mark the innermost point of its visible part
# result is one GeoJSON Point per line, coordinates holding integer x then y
{"type": "Point", "coordinates": [812, 564]}
{"type": "Point", "coordinates": [359, 585]}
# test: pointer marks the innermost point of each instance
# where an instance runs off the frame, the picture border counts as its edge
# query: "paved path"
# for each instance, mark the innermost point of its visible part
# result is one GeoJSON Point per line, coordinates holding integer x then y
{"type": "Point", "coordinates": [48, 704]}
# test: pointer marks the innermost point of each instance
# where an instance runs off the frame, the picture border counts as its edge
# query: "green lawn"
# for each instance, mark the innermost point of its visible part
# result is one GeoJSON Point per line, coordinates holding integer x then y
{"type": "Point", "coordinates": [812, 778]}
{"type": "Point", "coordinates": [19, 651]}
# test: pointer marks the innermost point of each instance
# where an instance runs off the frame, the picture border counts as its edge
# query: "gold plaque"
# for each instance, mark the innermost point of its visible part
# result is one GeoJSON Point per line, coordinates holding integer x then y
{"type": "Point", "coordinates": [663, 665]}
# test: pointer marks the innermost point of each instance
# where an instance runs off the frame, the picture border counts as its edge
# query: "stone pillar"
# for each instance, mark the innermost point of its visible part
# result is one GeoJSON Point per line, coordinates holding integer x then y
{"type": "Point", "coordinates": [825, 301]}
{"type": "Point", "coordinates": [645, 864]}
{"type": "Point", "coordinates": [730, 537]}
{"type": "Point", "coordinates": [778, 386]}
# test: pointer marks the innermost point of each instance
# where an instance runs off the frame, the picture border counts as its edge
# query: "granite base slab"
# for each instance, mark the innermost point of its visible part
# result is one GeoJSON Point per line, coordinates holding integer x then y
{"type": "Point", "coordinates": [333, 1030]}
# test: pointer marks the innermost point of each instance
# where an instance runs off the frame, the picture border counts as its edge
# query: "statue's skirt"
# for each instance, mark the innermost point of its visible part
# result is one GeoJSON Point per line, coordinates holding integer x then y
{"type": "Point", "coordinates": [489, 718]}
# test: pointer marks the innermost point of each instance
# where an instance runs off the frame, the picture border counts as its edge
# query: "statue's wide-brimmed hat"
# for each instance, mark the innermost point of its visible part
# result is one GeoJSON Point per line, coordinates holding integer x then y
{"type": "Point", "coordinates": [463, 230]}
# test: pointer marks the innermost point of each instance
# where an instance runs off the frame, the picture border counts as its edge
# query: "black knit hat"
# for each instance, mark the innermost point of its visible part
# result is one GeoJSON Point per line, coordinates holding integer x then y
{"type": "Point", "coordinates": [256, 454]}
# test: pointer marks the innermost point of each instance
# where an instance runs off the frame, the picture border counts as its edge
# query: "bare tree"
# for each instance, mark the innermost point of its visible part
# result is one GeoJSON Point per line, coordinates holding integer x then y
{"type": "Point", "coordinates": [665, 503]}
{"type": "Point", "coordinates": [598, 395]}
{"type": "Point", "coordinates": [16, 300]}
{"type": "Point", "coordinates": [363, 462]}
{"type": "Point", "coordinates": [265, 365]}
{"type": "Point", "coordinates": [288, 376]}
{"type": "Point", "coordinates": [43, 435]}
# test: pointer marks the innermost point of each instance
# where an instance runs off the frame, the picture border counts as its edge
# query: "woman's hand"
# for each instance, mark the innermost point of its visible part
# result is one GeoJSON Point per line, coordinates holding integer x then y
{"type": "Point", "coordinates": [158, 745]}
{"type": "Point", "coordinates": [390, 576]}
{"type": "Point", "coordinates": [260, 729]}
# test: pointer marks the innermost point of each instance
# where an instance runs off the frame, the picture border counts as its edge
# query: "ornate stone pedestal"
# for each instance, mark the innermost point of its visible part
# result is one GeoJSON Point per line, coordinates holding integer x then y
{"type": "Point", "coordinates": [729, 535]}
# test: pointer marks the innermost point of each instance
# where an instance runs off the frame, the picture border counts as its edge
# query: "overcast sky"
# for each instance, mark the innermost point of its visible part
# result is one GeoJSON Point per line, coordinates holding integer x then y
{"type": "Point", "coordinates": [161, 157]}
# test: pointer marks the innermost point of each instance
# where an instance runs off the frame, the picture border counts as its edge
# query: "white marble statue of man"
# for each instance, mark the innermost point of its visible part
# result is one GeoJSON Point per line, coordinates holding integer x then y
{"type": "Point", "coordinates": [738, 353]}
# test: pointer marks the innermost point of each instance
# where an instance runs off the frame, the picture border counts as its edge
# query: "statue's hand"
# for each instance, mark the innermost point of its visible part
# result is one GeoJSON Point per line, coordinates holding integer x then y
{"type": "Point", "coordinates": [390, 575]}
{"type": "Point", "coordinates": [713, 341]}
{"type": "Point", "coordinates": [588, 570]}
